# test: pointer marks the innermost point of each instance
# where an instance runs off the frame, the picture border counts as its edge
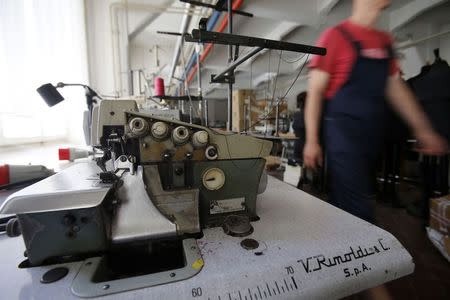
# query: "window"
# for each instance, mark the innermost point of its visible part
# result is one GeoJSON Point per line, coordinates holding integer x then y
{"type": "Point", "coordinates": [41, 41]}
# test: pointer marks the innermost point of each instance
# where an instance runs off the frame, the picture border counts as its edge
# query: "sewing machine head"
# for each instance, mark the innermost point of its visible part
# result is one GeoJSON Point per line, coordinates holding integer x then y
{"type": "Point", "coordinates": [158, 183]}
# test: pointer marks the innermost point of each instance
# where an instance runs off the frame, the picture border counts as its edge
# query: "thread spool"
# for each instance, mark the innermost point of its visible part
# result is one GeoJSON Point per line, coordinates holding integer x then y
{"type": "Point", "coordinates": [160, 130]}
{"type": "Point", "coordinates": [200, 139]}
{"type": "Point", "coordinates": [159, 87]}
{"type": "Point", "coordinates": [180, 135]}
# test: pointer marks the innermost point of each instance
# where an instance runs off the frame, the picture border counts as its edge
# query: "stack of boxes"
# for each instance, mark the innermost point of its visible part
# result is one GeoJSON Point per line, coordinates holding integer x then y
{"type": "Point", "coordinates": [439, 231]}
{"type": "Point", "coordinates": [247, 110]}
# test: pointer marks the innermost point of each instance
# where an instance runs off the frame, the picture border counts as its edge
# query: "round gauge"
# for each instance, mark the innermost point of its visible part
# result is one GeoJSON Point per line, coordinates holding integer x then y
{"type": "Point", "coordinates": [213, 179]}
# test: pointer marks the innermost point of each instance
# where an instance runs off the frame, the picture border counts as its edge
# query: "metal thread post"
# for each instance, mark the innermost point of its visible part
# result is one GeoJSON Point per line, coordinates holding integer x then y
{"type": "Point", "coordinates": [230, 59]}
{"type": "Point", "coordinates": [199, 84]}
{"type": "Point", "coordinates": [277, 119]}
{"type": "Point", "coordinates": [245, 117]}
{"type": "Point", "coordinates": [237, 63]}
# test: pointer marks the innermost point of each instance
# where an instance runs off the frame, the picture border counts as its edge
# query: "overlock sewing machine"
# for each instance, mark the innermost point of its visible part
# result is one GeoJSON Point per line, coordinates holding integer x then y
{"type": "Point", "coordinates": [133, 213]}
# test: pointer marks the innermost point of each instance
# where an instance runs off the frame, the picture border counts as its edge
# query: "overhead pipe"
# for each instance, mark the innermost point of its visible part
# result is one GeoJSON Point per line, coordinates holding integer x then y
{"type": "Point", "coordinates": [410, 44]}
{"type": "Point", "coordinates": [236, 5]}
{"type": "Point", "coordinates": [176, 56]}
{"type": "Point", "coordinates": [147, 21]}
{"type": "Point", "coordinates": [210, 26]}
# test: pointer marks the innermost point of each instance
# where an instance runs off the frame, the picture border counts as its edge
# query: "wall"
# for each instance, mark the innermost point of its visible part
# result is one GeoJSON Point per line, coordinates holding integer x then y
{"type": "Point", "coordinates": [98, 28]}
{"type": "Point", "coordinates": [444, 43]}
{"type": "Point", "coordinates": [107, 38]}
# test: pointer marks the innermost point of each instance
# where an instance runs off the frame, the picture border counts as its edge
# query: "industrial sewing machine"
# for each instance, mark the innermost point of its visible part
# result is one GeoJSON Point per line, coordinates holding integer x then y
{"type": "Point", "coordinates": [133, 214]}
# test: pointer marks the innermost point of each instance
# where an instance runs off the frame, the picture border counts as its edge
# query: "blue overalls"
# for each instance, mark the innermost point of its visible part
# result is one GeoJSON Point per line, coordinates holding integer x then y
{"type": "Point", "coordinates": [353, 125]}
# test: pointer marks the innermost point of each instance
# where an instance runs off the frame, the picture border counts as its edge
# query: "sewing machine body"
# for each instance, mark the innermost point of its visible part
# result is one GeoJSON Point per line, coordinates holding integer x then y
{"type": "Point", "coordinates": [157, 185]}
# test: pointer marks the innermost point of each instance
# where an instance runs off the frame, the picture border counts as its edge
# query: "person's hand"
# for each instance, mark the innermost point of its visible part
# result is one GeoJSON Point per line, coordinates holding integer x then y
{"type": "Point", "coordinates": [431, 143]}
{"type": "Point", "coordinates": [312, 155]}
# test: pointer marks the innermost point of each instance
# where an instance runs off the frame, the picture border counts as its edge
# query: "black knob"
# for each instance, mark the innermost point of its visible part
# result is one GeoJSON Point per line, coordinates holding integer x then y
{"type": "Point", "coordinates": [13, 228]}
{"type": "Point", "coordinates": [69, 220]}
{"type": "Point", "coordinates": [179, 171]}
{"type": "Point", "coordinates": [212, 152]}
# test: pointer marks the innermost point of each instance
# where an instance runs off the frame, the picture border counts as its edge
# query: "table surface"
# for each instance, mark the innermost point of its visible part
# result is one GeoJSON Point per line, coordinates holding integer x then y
{"type": "Point", "coordinates": [310, 250]}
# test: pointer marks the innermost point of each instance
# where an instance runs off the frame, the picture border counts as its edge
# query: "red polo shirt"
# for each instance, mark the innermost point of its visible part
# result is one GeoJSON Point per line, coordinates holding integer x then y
{"type": "Point", "coordinates": [341, 54]}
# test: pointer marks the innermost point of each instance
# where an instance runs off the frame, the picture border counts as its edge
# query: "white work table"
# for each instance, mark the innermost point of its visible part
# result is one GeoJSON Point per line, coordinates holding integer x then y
{"type": "Point", "coordinates": [310, 250]}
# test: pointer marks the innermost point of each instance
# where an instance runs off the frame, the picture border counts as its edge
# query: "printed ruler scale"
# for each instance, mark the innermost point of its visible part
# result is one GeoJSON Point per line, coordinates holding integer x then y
{"type": "Point", "coordinates": [351, 262]}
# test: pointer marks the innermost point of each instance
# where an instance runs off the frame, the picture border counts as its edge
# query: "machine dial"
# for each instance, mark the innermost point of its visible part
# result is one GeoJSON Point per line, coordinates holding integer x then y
{"type": "Point", "coordinates": [213, 179]}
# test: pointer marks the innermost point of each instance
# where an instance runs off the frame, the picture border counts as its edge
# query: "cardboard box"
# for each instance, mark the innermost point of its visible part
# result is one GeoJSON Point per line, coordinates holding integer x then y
{"type": "Point", "coordinates": [440, 241]}
{"type": "Point", "coordinates": [440, 214]}
{"type": "Point", "coordinates": [241, 98]}
{"type": "Point", "coordinates": [245, 100]}
{"type": "Point", "coordinates": [447, 244]}
{"type": "Point", "coordinates": [272, 162]}
{"type": "Point", "coordinates": [292, 174]}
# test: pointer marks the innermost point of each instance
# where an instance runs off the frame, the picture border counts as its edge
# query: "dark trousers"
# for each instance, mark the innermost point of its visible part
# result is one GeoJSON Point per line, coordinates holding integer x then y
{"type": "Point", "coordinates": [352, 183]}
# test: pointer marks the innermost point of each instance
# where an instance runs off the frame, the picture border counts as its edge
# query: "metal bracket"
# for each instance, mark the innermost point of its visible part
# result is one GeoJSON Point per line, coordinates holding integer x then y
{"type": "Point", "coordinates": [124, 163]}
{"type": "Point", "coordinates": [228, 78]}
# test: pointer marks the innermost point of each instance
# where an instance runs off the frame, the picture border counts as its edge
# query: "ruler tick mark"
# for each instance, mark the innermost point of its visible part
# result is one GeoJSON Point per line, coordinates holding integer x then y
{"type": "Point", "coordinates": [270, 294]}
{"type": "Point", "coordinates": [295, 284]}
{"type": "Point", "coordinates": [278, 288]}
{"type": "Point", "coordinates": [240, 296]}
{"type": "Point", "coordinates": [285, 283]}
{"type": "Point", "coordinates": [259, 291]}
{"type": "Point", "coordinates": [229, 296]}
{"type": "Point", "coordinates": [250, 293]}
{"type": "Point", "coordinates": [265, 295]}
{"type": "Point", "coordinates": [282, 288]}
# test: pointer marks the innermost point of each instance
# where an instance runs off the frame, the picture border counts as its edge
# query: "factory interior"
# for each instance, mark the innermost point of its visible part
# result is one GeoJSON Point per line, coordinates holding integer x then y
{"type": "Point", "coordinates": [225, 149]}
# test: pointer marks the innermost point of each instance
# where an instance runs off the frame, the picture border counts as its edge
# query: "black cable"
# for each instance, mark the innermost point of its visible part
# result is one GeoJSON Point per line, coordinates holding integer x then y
{"type": "Point", "coordinates": [268, 76]}
{"type": "Point", "coordinates": [293, 61]}
{"type": "Point", "coordinates": [276, 78]}
{"type": "Point", "coordinates": [296, 78]}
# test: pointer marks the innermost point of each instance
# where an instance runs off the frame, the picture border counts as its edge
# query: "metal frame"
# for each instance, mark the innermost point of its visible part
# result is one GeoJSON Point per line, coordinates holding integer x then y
{"type": "Point", "coordinates": [180, 98]}
{"type": "Point", "coordinates": [204, 36]}
{"type": "Point", "coordinates": [224, 74]}
{"type": "Point", "coordinates": [227, 76]}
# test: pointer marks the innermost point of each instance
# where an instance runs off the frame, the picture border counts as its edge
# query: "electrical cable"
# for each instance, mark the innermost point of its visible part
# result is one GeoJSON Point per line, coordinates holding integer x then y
{"type": "Point", "coordinates": [276, 77]}
{"type": "Point", "coordinates": [293, 61]}
{"type": "Point", "coordinates": [186, 86]}
{"type": "Point", "coordinates": [268, 77]}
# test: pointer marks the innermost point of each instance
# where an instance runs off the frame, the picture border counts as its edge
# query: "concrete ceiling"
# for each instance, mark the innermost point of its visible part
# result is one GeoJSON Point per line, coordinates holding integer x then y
{"type": "Point", "coordinates": [293, 20]}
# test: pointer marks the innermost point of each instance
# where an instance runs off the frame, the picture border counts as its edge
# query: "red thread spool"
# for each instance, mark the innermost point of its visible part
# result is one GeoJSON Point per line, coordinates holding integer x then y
{"type": "Point", "coordinates": [4, 175]}
{"type": "Point", "coordinates": [64, 154]}
{"type": "Point", "coordinates": [159, 87]}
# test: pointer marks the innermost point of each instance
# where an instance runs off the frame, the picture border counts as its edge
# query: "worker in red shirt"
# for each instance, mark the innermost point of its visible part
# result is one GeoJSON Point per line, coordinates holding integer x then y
{"type": "Point", "coordinates": [347, 92]}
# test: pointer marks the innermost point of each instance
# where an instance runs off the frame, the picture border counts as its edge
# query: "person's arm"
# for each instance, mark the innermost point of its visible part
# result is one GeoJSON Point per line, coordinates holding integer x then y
{"type": "Point", "coordinates": [405, 103]}
{"type": "Point", "coordinates": [317, 84]}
